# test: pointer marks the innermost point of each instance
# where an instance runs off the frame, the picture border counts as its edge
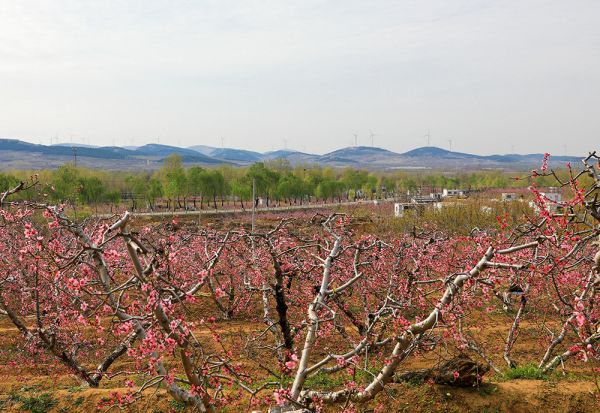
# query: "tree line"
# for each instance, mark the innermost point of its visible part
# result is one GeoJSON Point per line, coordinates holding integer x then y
{"type": "Point", "coordinates": [174, 186]}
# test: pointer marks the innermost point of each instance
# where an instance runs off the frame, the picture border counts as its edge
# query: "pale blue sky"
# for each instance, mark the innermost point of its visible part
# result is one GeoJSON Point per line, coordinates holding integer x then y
{"type": "Point", "coordinates": [490, 75]}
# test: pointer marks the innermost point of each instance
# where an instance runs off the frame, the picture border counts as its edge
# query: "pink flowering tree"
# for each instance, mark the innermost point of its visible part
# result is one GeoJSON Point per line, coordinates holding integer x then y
{"type": "Point", "coordinates": [109, 298]}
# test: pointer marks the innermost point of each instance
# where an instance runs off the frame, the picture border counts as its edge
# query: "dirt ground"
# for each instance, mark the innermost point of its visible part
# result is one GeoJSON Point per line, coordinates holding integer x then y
{"type": "Point", "coordinates": [42, 389]}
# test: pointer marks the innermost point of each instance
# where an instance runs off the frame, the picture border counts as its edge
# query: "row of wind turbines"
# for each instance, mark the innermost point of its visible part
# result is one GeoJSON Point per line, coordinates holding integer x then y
{"type": "Point", "coordinates": [372, 135]}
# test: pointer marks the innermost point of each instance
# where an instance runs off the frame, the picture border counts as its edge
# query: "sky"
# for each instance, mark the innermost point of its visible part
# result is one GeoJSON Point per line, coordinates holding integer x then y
{"type": "Point", "coordinates": [481, 76]}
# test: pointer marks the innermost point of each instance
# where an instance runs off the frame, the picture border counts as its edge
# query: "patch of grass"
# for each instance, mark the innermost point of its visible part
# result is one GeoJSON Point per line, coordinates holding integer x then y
{"type": "Point", "coordinates": [40, 404]}
{"type": "Point", "coordinates": [176, 406]}
{"type": "Point", "coordinates": [75, 389]}
{"type": "Point", "coordinates": [34, 387]}
{"type": "Point", "coordinates": [79, 401]}
{"type": "Point", "coordinates": [13, 396]}
{"type": "Point", "coordinates": [323, 380]}
{"type": "Point", "coordinates": [526, 371]}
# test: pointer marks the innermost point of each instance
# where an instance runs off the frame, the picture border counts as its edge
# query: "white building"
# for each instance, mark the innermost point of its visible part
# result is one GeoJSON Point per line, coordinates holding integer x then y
{"type": "Point", "coordinates": [552, 197]}
{"type": "Point", "coordinates": [552, 201]}
{"type": "Point", "coordinates": [398, 210]}
{"type": "Point", "coordinates": [452, 192]}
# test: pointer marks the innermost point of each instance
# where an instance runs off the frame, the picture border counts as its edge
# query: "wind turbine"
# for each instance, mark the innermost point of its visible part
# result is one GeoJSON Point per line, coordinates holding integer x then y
{"type": "Point", "coordinates": [372, 135]}
{"type": "Point", "coordinates": [428, 136]}
{"type": "Point", "coordinates": [355, 140]}
{"type": "Point", "coordinates": [450, 144]}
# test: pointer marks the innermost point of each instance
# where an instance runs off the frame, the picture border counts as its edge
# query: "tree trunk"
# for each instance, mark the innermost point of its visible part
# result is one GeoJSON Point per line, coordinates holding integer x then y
{"type": "Point", "coordinates": [460, 371]}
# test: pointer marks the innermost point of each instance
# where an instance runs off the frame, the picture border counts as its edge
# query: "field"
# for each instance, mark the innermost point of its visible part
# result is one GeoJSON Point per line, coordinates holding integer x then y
{"type": "Point", "coordinates": [305, 313]}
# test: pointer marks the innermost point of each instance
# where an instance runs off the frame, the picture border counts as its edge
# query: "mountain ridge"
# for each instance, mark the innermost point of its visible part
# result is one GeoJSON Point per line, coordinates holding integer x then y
{"type": "Point", "coordinates": [17, 154]}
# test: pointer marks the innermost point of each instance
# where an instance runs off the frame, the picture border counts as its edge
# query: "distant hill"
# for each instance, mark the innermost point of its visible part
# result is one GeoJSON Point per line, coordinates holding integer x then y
{"type": "Point", "coordinates": [16, 154]}
{"type": "Point", "coordinates": [59, 150]}
{"type": "Point", "coordinates": [78, 145]}
{"type": "Point", "coordinates": [432, 151]}
{"type": "Point", "coordinates": [203, 149]}
{"type": "Point", "coordinates": [239, 155]}
{"type": "Point", "coordinates": [163, 151]}
{"type": "Point", "coordinates": [360, 156]}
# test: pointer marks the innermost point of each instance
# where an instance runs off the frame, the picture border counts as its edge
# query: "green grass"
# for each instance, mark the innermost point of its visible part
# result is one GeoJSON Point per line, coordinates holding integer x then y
{"type": "Point", "coordinates": [79, 401]}
{"type": "Point", "coordinates": [176, 406]}
{"type": "Point", "coordinates": [323, 380]}
{"type": "Point", "coordinates": [74, 389]}
{"type": "Point", "coordinates": [526, 371]}
{"type": "Point", "coordinates": [40, 404]}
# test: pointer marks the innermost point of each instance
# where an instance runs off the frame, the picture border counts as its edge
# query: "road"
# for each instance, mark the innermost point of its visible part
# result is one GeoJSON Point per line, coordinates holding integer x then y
{"type": "Point", "coordinates": [169, 214]}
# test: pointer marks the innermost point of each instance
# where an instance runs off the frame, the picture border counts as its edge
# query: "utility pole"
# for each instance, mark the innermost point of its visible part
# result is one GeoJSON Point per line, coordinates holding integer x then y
{"type": "Point", "coordinates": [74, 149]}
{"type": "Point", "coordinates": [253, 206]}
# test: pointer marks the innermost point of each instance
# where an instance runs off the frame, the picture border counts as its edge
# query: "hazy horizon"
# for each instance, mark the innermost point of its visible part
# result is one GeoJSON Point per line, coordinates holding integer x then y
{"type": "Point", "coordinates": [492, 76]}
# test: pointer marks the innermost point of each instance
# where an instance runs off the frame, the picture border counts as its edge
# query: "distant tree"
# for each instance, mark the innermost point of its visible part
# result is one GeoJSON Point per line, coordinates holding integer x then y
{"type": "Point", "coordinates": [241, 187]}
{"type": "Point", "coordinates": [266, 180]}
{"type": "Point", "coordinates": [7, 182]}
{"type": "Point", "coordinates": [114, 198]}
{"type": "Point", "coordinates": [217, 186]}
{"type": "Point", "coordinates": [155, 190]}
{"type": "Point", "coordinates": [65, 184]}
{"type": "Point", "coordinates": [354, 179]}
{"type": "Point", "coordinates": [144, 188]}
{"type": "Point", "coordinates": [330, 189]}
{"type": "Point", "coordinates": [91, 190]}
{"type": "Point", "coordinates": [290, 186]}
{"type": "Point", "coordinates": [197, 183]}
{"type": "Point", "coordinates": [174, 180]}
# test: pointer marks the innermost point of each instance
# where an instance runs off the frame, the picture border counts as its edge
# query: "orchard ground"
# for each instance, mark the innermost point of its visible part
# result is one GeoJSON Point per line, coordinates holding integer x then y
{"type": "Point", "coordinates": [24, 389]}
{"type": "Point", "coordinates": [41, 387]}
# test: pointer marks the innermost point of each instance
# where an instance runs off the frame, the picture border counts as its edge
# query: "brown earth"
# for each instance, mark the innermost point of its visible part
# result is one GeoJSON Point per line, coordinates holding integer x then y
{"type": "Point", "coordinates": [21, 387]}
